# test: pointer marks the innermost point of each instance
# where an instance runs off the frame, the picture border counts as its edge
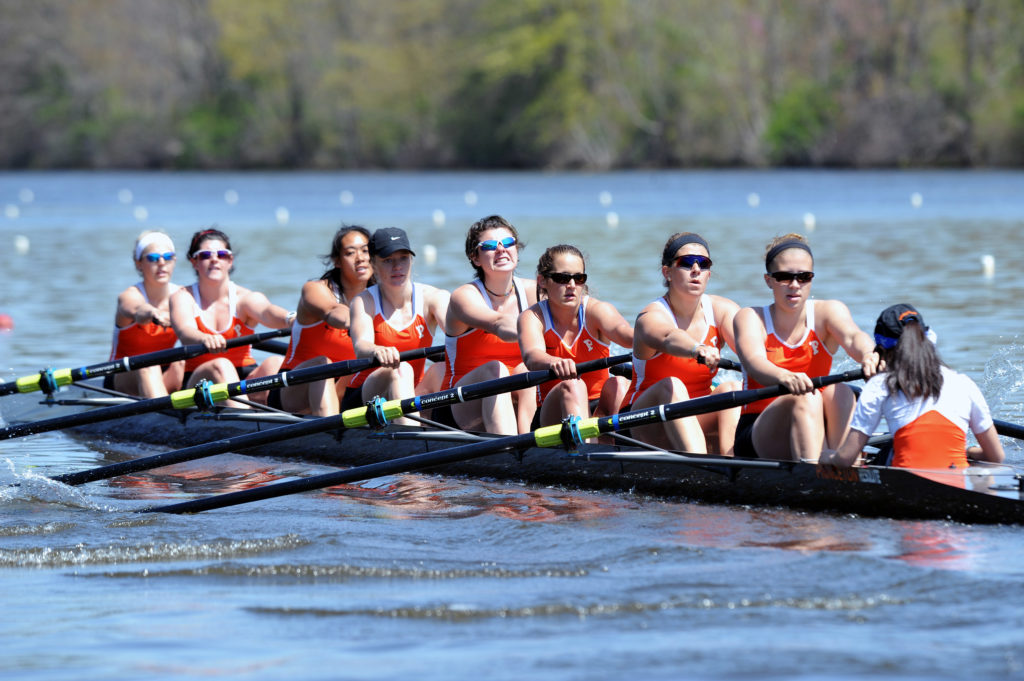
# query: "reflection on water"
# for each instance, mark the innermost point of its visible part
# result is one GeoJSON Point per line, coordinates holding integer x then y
{"type": "Point", "coordinates": [413, 496]}
{"type": "Point", "coordinates": [935, 545]}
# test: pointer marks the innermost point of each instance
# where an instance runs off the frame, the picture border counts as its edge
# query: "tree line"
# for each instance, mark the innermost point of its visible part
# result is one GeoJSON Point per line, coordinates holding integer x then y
{"type": "Point", "coordinates": [558, 84]}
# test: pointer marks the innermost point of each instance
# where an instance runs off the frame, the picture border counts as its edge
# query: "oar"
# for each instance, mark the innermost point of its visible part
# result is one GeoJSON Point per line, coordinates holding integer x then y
{"type": "Point", "coordinates": [568, 434]}
{"type": "Point", "coordinates": [352, 418]}
{"type": "Point", "coordinates": [49, 380]}
{"type": "Point", "coordinates": [1009, 429]}
{"type": "Point", "coordinates": [206, 396]}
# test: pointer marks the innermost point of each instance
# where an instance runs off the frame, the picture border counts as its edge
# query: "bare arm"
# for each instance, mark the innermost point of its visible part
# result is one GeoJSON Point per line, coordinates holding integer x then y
{"type": "Point", "coordinates": [750, 335]}
{"type": "Point", "coordinates": [317, 303]}
{"type": "Point", "coordinates": [184, 323]}
{"type": "Point", "coordinates": [991, 447]}
{"type": "Point", "coordinates": [467, 310]}
{"type": "Point", "coordinates": [860, 346]}
{"type": "Point", "coordinates": [534, 349]}
{"type": "Point", "coordinates": [437, 307]}
{"type": "Point", "coordinates": [363, 335]}
{"type": "Point", "coordinates": [725, 313]}
{"type": "Point", "coordinates": [255, 307]}
{"type": "Point", "coordinates": [132, 308]}
{"type": "Point", "coordinates": [610, 323]}
{"type": "Point", "coordinates": [655, 331]}
{"type": "Point", "coordinates": [848, 452]}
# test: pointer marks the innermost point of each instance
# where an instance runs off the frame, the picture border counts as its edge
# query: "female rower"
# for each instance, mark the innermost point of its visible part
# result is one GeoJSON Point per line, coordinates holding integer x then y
{"type": "Point", "coordinates": [483, 340]}
{"type": "Point", "coordinates": [214, 309]}
{"type": "Point", "coordinates": [320, 330]}
{"type": "Point", "coordinates": [928, 406]}
{"type": "Point", "coordinates": [390, 317]}
{"type": "Point", "coordinates": [568, 326]}
{"type": "Point", "coordinates": [787, 343]}
{"type": "Point", "coordinates": [142, 322]}
{"type": "Point", "coordinates": [676, 349]}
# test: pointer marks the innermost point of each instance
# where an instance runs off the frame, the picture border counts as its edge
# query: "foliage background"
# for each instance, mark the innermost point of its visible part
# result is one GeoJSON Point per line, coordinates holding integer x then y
{"type": "Point", "coordinates": [590, 84]}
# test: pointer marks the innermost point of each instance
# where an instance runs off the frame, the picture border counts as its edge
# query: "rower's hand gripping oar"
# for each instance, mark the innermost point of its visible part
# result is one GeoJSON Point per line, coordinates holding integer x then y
{"type": "Point", "coordinates": [570, 433]}
{"type": "Point", "coordinates": [49, 380]}
{"type": "Point", "coordinates": [206, 395]}
{"type": "Point", "coordinates": [352, 418]}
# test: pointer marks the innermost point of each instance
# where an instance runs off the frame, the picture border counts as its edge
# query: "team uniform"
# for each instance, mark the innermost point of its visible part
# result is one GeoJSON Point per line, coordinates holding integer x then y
{"type": "Point", "coordinates": [476, 347]}
{"type": "Point", "coordinates": [584, 347]}
{"type": "Point", "coordinates": [694, 375]}
{"type": "Point", "coordinates": [240, 357]}
{"type": "Point", "coordinates": [317, 340]}
{"type": "Point", "coordinates": [808, 356]}
{"type": "Point", "coordinates": [927, 432]}
{"type": "Point", "coordinates": [137, 339]}
{"type": "Point", "coordinates": [415, 335]}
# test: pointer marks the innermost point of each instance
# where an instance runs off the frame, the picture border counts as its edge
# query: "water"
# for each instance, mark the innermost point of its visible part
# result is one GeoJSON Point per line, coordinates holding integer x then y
{"type": "Point", "coordinates": [442, 578]}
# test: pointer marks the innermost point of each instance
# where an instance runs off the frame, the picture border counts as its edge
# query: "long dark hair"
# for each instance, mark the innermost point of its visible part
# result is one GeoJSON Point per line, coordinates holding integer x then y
{"type": "Point", "coordinates": [913, 366]}
{"type": "Point", "coordinates": [333, 275]}
{"type": "Point", "coordinates": [481, 226]}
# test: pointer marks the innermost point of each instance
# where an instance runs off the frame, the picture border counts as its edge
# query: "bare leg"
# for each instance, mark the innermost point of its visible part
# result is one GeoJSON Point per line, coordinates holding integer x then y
{"type": "Point", "coordinates": [318, 398]}
{"type": "Point", "coordinates": [494, 414]}
{"type": "Point", "coordinates": [683, 434]}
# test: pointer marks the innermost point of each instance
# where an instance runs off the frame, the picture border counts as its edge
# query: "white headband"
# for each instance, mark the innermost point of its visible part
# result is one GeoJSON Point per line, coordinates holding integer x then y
{"type": "Point", "coordinates": [150, 239]}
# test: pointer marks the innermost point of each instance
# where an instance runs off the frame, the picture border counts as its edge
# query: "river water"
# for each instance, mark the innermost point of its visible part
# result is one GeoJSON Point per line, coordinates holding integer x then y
{"type": "Point", "coordinates": [448, 578]}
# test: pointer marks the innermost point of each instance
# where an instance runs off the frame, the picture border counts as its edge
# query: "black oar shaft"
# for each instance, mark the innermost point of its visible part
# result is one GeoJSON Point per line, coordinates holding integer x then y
{"type": "Point", "coordinates": [1009, 429]}
{"type": "Point", "coordinates": [351, 418]}
{"type": "Point", "coordinates": [61, 377]}
{"type": "Point", "coordinates": [548, 436]}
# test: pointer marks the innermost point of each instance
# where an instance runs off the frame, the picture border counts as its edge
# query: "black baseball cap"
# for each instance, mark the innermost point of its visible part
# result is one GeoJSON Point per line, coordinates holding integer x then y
{"type": "Point", "coordinates": [388, 240]}
{"type": "Point", "coordinates": [889, 326]}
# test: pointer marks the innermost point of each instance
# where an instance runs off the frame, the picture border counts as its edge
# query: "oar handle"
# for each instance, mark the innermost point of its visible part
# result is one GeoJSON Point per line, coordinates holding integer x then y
{"type": "Point", "coordinates": [50, 378]}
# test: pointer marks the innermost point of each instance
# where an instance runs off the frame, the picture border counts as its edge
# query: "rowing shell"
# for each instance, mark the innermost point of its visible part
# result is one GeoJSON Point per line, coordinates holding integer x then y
{"type": "Point", "coordinates": [988, 493]}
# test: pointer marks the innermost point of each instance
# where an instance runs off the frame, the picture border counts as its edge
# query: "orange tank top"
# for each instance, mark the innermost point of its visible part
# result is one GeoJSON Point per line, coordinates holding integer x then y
{"type": "Point", "coordinates": [315, 340]}
{"type": "Point", "coordinates": [138, 339]}
{"type": "Point", "coordinates": [240, 356]}
{"type": "Point", "coordinates": [477, 347]}
{"type": "Point", "coordinates": [584, 347]}
{"type": "Point", "coordinates": [808, 356]}
{"type": "Point", "coordinates": [415, 335]}
{"type": "Point", "coordinates": [695, 376]}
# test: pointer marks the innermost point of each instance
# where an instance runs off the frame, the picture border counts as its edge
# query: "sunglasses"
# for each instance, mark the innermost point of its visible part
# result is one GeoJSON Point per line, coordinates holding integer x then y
{"type": "Point", "coordinates": [688, 261]}
{"type": "Point", "coordinates": [157, 257]}
{"type": "Point", "coordinates": [222, 254]}
{"type": "Point", "coordinates": [564, 277]}
{"type": "Point", "coordinates": [492, 244]}
{"type": "Point", "coordinates": [786, 277]}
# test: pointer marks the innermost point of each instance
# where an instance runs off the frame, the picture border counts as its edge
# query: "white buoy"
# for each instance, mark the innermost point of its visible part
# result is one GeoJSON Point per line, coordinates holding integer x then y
{"type": "Point", "coordinates": [753, 200]}
{"type": "Point", "coordinates": [438, 217]}
{"type": "Point", "coordinates": [810, 222]}
{"type": "Point", "coordinates": [605, 198]}
{"type": "Point", "coordinates": [11, 211]}
{"type": "Point", "coordinates": [346, 198]}
{"type": "Point", "coordinates": [125, 196]}
{"type": "Point", "coordinates": [140, 213]}
{"type": "Point", "coordinates": [282, 215]}
{"type": "Point", "coordinates": [429, 254]}
{"type": "Point", "coordinates": [988, 266]}
{"type": "Point", "coordinates": [26, 195]}
{"type": "Point", "coordinates": [231, 197]}
{"type": "Point", "coordinates": [916, 200]}
{"type": "Point", "coordinates": [612, 218]}
{"type": "Point", "coordinates": [21, 244]}
{"type": "Point", "coordinates": [470, 198]}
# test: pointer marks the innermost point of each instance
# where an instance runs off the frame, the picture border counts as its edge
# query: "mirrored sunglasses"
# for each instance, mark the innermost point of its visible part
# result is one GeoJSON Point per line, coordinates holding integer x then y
{"type": "Point", "coordinates": [689, 260]}
{"type": "Point", "coordinates": [565, 277]}
{"type": "Point", "coordinates": [492, 244]}
{"type": "Point", "coordinates": [222, 254]}
{"type": "Point", "coordinates": [786, 277]}
{"type": "Point", "coordinates": [157, 257]}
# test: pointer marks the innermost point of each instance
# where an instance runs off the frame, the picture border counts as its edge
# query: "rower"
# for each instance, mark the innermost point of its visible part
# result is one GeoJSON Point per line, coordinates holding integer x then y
{"type": "Point", "coordinates": [142, 322]}
{"type": "Point", "coordinates": [677, 345]}
{"type": "Point", "coordinates": [215, 309]}
{"type": "Point", "coordinates": [787, 343]}
{"type": "Point", "coordinates": [320, 332]}
{"type": "Point", "coordinates": [568, 326]}
{"type": "Point", "coordinates": [482, 341]}
{"type": "Point", "coordinates": [392, 316]}
{"type": "Point", "coordinates": [928, 406]}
